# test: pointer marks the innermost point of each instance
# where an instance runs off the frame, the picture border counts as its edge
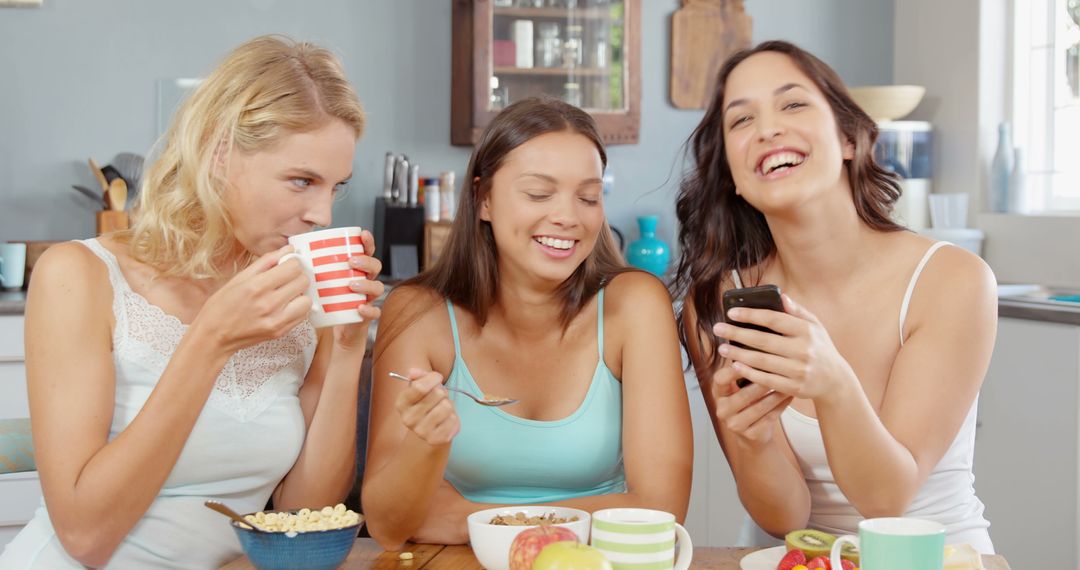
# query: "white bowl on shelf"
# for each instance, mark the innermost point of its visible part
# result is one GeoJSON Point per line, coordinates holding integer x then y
{"type": "Point", "coordinates": [888, 102]}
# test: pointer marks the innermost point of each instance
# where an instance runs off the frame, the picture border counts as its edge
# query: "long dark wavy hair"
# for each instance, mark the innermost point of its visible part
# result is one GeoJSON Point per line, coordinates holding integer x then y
{"type": "Point", "coordinates": [467, 271]}
{"type": "Point", "coordinates": [720, 231]}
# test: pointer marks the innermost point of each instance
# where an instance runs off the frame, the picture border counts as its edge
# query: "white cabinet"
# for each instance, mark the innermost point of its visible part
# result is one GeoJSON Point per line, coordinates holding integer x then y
{"type": "Point", "coordinates": [716, 515]}
{"type": "Point", "coordinates": [20, 493]}
{"type": "Point", "coordinates": [1027, 445]}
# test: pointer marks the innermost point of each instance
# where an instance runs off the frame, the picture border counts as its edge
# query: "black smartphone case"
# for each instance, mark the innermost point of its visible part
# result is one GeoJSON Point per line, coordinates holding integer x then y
{"type": "Point", "coordinates": [761, 297]}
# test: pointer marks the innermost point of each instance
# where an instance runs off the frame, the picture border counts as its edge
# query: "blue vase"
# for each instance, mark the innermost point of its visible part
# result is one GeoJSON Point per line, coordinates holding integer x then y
{"type": "Point", "coordinates": [649, 252]}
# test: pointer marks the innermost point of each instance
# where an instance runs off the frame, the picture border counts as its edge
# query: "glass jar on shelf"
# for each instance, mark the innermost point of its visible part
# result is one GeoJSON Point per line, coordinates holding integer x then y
{"type": "Point", "coordinates": [573, 51]}
{"type": "Point", "coordinates": [548, 44]}
{"type": "Point", "coordinates": [572, 93]}
{"type": "Point", "coordinates": [600, 48]}
{"type": "Point", "coordinates": [500, 95]}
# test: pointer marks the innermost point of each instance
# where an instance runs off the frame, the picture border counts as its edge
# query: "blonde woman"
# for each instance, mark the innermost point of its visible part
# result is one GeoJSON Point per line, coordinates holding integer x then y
{"type": "Point", "coordinates": [173, 363]}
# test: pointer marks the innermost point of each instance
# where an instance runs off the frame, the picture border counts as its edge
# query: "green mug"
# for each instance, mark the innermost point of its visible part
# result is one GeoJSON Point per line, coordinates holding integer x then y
{"type": "Point", "coordinates": [896, 544]}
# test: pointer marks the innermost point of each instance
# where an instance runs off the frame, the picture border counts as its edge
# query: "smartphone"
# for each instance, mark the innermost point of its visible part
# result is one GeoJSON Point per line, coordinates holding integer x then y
{"type": "Point", "coordinates": [763, 297]}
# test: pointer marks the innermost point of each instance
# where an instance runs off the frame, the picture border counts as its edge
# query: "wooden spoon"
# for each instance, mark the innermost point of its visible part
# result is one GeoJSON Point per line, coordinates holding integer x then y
{"type": "Point", "coordinates": [118, 194]}
{"type": "Point", "coordinates": [232, 515]}
{"type": "Point", "coordinates": [99, 175]}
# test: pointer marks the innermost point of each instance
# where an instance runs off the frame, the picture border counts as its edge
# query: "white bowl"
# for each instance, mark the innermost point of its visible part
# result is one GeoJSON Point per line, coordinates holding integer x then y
{"type": "Point", "coordinates": [887, 102]}
{"type": "Point", "coordinates": [491, 543]}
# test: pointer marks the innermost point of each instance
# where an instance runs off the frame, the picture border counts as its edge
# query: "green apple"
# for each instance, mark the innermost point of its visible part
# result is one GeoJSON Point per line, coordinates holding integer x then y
{"type": "Point", "coordinates": [570, 555]}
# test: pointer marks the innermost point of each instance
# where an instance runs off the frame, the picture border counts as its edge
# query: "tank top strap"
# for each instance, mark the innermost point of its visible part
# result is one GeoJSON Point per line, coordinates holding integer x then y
{"type": "Point", "coordinates": [454, 329]}
{"type": "Point", "coordinates": [735, 278]}
{"type": "Point", "coordinates": [911, 284]}
{"type": "Point", "coordinates": [116, 277]}
{"type": "Point", "coordinates": [600, 323]}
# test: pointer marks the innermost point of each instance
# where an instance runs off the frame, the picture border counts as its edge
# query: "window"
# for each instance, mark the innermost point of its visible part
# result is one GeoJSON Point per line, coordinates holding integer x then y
{"type": "Point", "coordinates": [1046, 101]}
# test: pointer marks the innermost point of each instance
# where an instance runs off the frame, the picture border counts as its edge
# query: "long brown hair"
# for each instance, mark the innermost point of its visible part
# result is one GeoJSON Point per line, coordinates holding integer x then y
{"type": "Point", "coordinates": [720, 231]}
{"type": "Point", "coordinates": [467, 271]}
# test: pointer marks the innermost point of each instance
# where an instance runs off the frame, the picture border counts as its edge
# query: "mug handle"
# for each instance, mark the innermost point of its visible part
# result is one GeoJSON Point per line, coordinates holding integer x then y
{"type": "Point", "coordinates": [686, 548]}
{"type": "Point", "coordinates": [312, 293]}
{"type": "Point", "coordinates": [837, 546]}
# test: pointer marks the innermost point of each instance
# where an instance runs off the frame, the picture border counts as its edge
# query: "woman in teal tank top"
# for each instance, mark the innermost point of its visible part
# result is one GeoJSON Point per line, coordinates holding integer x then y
{"type": "Point", "coordinates": [530, 299]}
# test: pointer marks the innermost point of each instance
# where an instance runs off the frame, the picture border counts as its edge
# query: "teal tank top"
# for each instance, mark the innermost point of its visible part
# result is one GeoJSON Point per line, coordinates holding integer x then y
{"type": "Point", "coordinates": [501, 458]}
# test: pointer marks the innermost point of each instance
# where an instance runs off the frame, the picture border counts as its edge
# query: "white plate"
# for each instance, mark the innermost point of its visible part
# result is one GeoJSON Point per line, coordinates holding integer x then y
{"type": "Point", "coordinates": [766, 559]}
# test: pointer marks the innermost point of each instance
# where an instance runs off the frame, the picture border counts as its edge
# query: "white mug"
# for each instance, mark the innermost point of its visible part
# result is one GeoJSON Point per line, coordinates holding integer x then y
{"type": "Point", "coordinates": [641, 538]}
{"type": "Point", "coordinates": [12, 265]}
{"type": "Point", "coordinates": [325, 254]}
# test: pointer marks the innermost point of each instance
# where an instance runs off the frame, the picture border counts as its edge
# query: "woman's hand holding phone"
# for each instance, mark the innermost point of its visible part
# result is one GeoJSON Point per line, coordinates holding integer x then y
{"type": "Point", "coordinates": [798, 359]}
{"type": "Point", "coordinates": [751, 413]}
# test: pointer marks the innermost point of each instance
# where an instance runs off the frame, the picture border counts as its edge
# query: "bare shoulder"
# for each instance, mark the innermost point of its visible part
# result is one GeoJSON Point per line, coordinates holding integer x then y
{"type": "Point", "coordinates": [69, 294]}
{"type": "Point", "coordinates": [415, 315]}
{"type": "Point", "coordinates": [955, 286]}
{"type": "Point", "coordinates": [634, 290]}
{"type": "Point", "coordinates": [66, 266]}
{"type": "Point", "coordinates": [411, 302]}
{"type": "Point", "coordinates": [953, 272]}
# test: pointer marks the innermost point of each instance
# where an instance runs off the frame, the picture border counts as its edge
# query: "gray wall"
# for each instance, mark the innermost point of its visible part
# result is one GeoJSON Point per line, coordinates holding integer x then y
{"type": "Point", "coordinates": [78, 79]}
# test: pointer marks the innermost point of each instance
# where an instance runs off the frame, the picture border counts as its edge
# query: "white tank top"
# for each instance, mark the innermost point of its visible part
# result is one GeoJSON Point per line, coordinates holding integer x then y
{"type": "Point", "coordinates": [246, 439]}
{"type": "Point", "coordinates": [947, 496]}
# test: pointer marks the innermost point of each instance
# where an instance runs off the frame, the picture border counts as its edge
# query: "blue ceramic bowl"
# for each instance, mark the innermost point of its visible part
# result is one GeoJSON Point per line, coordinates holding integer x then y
{"type": "Point", "coordinates": [313, 550]}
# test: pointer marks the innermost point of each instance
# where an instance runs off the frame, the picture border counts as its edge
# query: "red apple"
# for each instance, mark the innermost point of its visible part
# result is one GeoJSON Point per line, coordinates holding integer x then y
{"type": "Point", "coordinates": [529, 542]}
{"type": "Point", "coordinates": [570, 555]}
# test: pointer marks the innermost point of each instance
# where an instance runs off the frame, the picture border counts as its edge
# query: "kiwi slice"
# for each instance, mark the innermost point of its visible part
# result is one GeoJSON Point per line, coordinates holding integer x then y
{"type": "Point", "coordinates": [813, 543]}
{"type": "Point", "coordinates": [850, 553]}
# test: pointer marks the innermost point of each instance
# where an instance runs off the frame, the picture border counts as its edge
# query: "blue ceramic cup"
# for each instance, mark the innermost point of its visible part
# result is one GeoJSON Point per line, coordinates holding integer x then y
{"type": "Point", "coordinates": [12, 265]}
{"type": "Point", "coordinates": [896, 544]}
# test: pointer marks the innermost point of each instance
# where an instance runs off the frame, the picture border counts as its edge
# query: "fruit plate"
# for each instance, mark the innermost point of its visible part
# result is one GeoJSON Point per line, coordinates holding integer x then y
{"type": "Point", "coordinates": [766, 559]}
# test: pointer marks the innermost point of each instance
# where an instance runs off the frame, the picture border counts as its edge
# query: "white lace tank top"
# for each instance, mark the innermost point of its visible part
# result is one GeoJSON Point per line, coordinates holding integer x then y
{"type": "Point", "coordinates": [947, 496]}
{"type": "Point", "coordinates": [246, 439]}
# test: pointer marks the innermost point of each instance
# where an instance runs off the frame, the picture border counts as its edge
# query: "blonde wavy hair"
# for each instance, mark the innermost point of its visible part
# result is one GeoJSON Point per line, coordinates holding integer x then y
{"type": "Point", "coordinates": [266, 88]}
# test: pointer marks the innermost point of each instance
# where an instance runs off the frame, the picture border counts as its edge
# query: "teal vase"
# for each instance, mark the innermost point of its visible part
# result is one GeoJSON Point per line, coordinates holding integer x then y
{"type": "Point", "coordinates": [649, 252]}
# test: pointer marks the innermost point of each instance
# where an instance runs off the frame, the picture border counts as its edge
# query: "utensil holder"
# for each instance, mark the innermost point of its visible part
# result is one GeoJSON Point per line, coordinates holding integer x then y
{"type": "Point", "coordinates": [111, 220]}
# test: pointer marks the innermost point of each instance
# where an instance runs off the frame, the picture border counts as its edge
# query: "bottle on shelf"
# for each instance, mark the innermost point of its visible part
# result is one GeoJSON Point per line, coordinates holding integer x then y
{"type": "Point", "coordinates": [432, 197]}
{"type": "Point", "coordinates": [548, 45]}
{"type": "Point", "coordinates": [523, 43]}
{"type": "Point", "coordinates": [1018, 184]}
{"type": "Point", "coordinates": [572, 93]}
{"type": "Point", "coordinates": [1001, 171]}
{"type": "Point", "coordinates": [572, 48]}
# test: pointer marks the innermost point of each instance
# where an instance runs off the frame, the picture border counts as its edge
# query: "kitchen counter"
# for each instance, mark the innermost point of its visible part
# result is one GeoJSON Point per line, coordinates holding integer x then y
{"type": "Point", "coordinates": [1035, 303]}
{"type": "Point", "coordinates": [12, 302]}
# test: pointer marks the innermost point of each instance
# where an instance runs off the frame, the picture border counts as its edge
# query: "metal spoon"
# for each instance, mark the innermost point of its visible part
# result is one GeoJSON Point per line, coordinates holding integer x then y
{"type": "Point", "coordinates": [214, 505]}
{"type": "Point", "coordinates": [494, 402]}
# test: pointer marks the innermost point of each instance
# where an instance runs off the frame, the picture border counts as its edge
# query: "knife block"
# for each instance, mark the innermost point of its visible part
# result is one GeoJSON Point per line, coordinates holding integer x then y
{"type": "Point", "coordinates": [109, 221]}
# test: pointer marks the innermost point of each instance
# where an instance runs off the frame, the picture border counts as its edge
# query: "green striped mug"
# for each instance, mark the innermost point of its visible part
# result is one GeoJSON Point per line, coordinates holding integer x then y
{"type": "Point", "coordinates": [641, 539]}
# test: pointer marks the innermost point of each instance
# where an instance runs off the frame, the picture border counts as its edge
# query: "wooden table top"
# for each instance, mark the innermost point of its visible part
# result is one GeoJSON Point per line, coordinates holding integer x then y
{"type": "Point", "coordinates": [366, 554]}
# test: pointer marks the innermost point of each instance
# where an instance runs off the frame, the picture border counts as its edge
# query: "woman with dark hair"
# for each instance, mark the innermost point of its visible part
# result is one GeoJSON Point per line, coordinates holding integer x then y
{"type": "Point", "coordinates": [862, 403]}
{"type": "Point", "coordinates": [531, 292]}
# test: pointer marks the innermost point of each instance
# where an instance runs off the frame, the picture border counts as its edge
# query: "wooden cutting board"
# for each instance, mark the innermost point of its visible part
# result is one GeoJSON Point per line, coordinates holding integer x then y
{"type": "Point", "coordinates": [703, 34]}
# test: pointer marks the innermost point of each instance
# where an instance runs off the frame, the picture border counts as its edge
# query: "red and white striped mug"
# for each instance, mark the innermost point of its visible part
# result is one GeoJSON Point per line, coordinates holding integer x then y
{"type": "Point", "coordinates": [325, 254]}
